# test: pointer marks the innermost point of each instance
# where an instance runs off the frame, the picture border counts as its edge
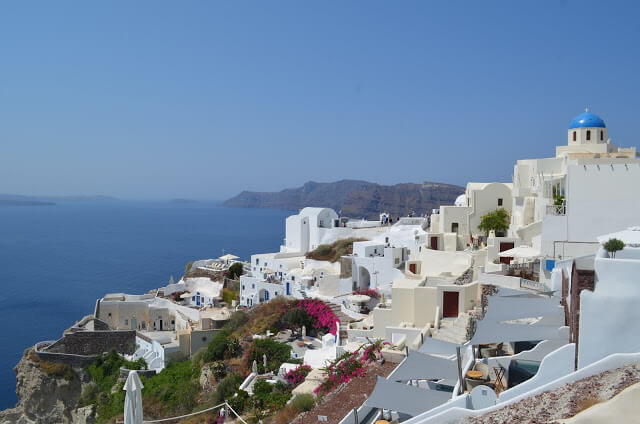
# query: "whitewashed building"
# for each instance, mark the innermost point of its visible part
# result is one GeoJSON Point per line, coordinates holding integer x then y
{"type": "Point", "coordinates": [561, 204]}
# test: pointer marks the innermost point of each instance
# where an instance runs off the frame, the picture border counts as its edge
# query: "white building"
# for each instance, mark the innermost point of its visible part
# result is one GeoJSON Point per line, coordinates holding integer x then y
{"type": "Point", "coordinates": [375, 265]}
{"type": "Point", "coordinates": [315, 226]}
{"type": "Point", "coordinates": [453, 227]}
{"type": "Point", "coordinates": [590, 187]}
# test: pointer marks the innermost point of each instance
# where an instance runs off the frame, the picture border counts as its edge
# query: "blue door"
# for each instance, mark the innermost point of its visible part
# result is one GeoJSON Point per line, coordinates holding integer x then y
{"type": "Point", "coordinates": [288, 290]}
{"type": "Point", "coordinates": [266, 295]}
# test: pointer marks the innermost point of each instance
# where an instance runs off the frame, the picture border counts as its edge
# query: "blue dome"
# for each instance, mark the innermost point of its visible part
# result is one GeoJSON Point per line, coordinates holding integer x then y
{"type": "Point", "coordinates": [587, 120]}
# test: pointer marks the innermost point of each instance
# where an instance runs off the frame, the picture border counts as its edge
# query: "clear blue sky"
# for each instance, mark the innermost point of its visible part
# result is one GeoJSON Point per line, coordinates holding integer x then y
{"type": "Point", "coordinates": [204, 99]}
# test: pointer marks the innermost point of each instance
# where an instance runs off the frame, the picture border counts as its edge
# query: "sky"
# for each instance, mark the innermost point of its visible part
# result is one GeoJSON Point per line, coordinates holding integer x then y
{"type": "Point", "coordinates": [204, 99]}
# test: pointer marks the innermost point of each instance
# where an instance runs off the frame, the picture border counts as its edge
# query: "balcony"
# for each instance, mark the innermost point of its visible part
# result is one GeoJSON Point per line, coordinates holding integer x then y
{"type": "Point", "coordinates": [558, 210]}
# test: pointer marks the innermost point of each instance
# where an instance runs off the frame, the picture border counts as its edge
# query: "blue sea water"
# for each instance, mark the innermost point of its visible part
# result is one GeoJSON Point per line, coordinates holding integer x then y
{"type": "Point", "coordinates": [55, 261]}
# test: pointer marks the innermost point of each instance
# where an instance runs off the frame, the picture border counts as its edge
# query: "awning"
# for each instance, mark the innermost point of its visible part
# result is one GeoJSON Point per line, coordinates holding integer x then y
{"type": "Point", "coordinates": [185, 295]}
{"type": "Point", "coordinates": [403, 398]}
{"type": "Point", "coordinates": [630, 237]}
{"type": "Point", "coordinates": [228, 257]}
{"type": "Point", "coordinates": [420, 366]}
{"type": "Point", "coordinates": [524, 252]}
{"type": "Point", "coordinates": [437, 346]}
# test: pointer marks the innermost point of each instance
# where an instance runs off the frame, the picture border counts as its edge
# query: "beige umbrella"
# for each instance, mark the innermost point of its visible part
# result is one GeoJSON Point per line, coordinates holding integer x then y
{"type": "Point", "coordinates": [133, 399]}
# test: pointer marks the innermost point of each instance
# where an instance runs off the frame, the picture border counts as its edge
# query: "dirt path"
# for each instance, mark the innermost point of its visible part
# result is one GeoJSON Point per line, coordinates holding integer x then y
{"type": "Point", "coordinates": [337, 405]}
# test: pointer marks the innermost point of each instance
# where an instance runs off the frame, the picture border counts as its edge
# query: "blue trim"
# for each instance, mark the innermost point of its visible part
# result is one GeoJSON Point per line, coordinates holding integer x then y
{"type": "Point", "coordinates": [550, 264]}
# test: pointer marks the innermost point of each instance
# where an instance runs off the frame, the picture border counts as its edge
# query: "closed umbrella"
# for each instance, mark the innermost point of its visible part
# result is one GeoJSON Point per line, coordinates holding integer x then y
{"type": "Point", "coordinates": [133, 399]}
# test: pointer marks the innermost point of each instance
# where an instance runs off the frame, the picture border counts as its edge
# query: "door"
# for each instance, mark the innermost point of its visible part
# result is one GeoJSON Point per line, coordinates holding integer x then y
{"type": "Point", "coordinates": [412, 268]}
{"type": "Point", "coordinates": [134, 324]}
{"type": "Point", "coordinates": [503, 247]}
{"type": "Point", "coordinates": [434, 243]}
{"type": "Point", "coordinates": [160, 325]}
{"type": "Point", "coordinates": [450, 304]}
{"type": "Point", "coordinates": [288, 289]}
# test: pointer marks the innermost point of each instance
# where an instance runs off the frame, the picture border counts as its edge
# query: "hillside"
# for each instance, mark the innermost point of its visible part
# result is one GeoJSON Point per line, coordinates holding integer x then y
{"type": "Point", "coordinates": [354, 198]}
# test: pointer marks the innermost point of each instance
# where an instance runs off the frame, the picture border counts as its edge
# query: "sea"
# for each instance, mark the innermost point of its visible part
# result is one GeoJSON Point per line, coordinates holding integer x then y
{"type": "Point", "coordinates": [55, 261]}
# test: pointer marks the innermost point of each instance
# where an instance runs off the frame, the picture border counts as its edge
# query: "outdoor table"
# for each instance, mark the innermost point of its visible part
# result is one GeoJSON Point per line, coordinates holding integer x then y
{"type": "Point", "coordinates": [474, 374]}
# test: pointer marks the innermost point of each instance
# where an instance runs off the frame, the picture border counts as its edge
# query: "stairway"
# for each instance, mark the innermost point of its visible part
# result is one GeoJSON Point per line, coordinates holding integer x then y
{"type": "Point", "coordinates": [344, 320]}
{"type": "Point", "coordinates": [453, 330]}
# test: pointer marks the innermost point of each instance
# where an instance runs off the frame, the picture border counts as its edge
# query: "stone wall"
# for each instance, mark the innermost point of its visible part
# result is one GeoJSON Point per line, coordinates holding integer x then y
{"type": "Point", "coordinates": [95, 342]}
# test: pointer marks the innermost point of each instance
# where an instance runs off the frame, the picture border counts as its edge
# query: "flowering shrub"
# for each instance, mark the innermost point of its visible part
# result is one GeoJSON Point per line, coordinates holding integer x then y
{"type": "Point", "coordinates": [323, 316]}
{"type": "Point", "coordinates": [348, 366]}
{"type": "Point", "coordinates": [369, 292]}
{"type": "Point", "coordinates": [297, 376]}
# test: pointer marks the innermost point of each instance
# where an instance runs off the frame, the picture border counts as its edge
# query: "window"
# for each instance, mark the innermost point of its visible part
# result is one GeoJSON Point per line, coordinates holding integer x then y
{"type": "Point", "coordinates": [173, 322]}
{"type": "Point", "coordinates": [243, 287]}
{"type": "Point", "coordinates": [253, 286]}
{"type": "Point", "coordinates": [144, 325]}
{"type": "Point", "coordinates": [574, 136]}
{"type": "Point", "coordinates": [126, 322]}
{"type": "Point", "coordinates": [275, 293]}
{"type": "Point", "coordinates": [601, 135]}
{"type": "Point", "coordinates": [588, 134]}
{"type": "Point", "coordinates": [109, 313]}
{"type": "Point", "coordinates": [454, 227]}
{"type": "Point", "coordinates": [204, 339]}
{"type": "Point", "coordinates": [193, 298]}
{"type": "Point", "coordinates": [499, 202]}
{"type": "Point", "coordinates": [257, 261]}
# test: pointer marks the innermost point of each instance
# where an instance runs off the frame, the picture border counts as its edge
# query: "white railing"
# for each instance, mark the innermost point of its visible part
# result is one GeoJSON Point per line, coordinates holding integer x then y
{"type": "Point", "coordinates": [558, 210]}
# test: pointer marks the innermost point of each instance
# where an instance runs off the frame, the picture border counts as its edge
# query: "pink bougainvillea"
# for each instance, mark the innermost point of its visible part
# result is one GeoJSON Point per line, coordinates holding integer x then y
{"type": "Point", "coordinates": [369, 292]}
{"type": "Point", "coordinates": [322, 314]}
{"type": "Point", "coordinates": [350, 366]}
{"type": "Point", "coordinates": [297, 375]}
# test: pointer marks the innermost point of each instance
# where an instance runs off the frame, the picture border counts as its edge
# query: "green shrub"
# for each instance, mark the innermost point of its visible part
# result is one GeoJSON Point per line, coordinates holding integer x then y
{"type": "Point", "coordinates": [262, 388]}
{"type": "Point", "coordinates": [227, 388]}
{"type": "Point", "coordinates": [176, 386]}
{"type": "Point", "coordinates": [613, 245]}
{"type": "Point", "coordinates": [277, 353]}
{"type": "Point", "coordinates": [219, 370]}
{"type": "Point", "coordinates": [228, 296]}
{"type": "Point", "coordinates": [240, 402]}
{"type": "Point", "coordinates": [221, 346]}
{"type": "Point", "coordinates": [235, 270]}
{"type": "Point", "coordinates": [304, 402]}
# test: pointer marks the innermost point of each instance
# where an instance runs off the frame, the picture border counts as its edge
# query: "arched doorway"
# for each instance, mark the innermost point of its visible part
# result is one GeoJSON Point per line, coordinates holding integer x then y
{"type": "Point", "coordinates": [364, 278]}
{"type": "Point", "coordinates": [263, 295]}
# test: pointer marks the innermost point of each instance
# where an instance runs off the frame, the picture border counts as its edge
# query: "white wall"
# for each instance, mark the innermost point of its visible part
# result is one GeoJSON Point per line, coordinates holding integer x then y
{"type": "Point", "coordinates": [609, 315]}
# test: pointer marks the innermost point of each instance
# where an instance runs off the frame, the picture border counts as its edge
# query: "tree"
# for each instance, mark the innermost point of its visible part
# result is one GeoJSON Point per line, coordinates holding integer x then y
{"type": "Point", "coordinates": [295, 318]}
{"type": "Point", "coordinates": [187, 268]}
{"type": "Point", "coordinates": [497, 220]}
{"type": "Point", "coordinates": [613, 245]}
{"type": "Point", "coordinates": [235, 271]}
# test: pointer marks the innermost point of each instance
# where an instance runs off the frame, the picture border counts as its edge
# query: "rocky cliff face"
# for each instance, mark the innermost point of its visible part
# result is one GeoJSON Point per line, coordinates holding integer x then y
{"type": "Point", "coordinates": [46, 398]}
{"type": "Point", "coordinates": [355, 199]}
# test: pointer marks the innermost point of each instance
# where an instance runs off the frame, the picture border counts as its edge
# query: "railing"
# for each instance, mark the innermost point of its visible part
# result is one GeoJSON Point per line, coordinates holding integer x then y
{"type": "Point", "coordinates": [558, 210]}
{"type": "Point", "coordinates": [533, 285]}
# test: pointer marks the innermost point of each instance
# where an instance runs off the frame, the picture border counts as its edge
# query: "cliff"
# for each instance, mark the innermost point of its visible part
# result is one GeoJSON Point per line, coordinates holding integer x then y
{"type": "Point", "coordinates": [353, 198]}
{"type": "Point", "coordinates": [47, 393]}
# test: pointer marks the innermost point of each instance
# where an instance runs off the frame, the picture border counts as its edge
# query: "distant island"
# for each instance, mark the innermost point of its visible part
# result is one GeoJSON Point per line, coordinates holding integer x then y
{"type": "Point", "coordinates": [21, 200]}
{"type": "Point", "coordinates": [354, 198]}
{"type": "Point", "coordinates": [11, 202]}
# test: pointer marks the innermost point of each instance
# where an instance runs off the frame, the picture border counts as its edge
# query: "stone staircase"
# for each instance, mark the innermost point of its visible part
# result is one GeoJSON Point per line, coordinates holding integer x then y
{"type": "Point", "coordinates": [454, 330]}
{"type": "Point", "coordinates": [344, 320]}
